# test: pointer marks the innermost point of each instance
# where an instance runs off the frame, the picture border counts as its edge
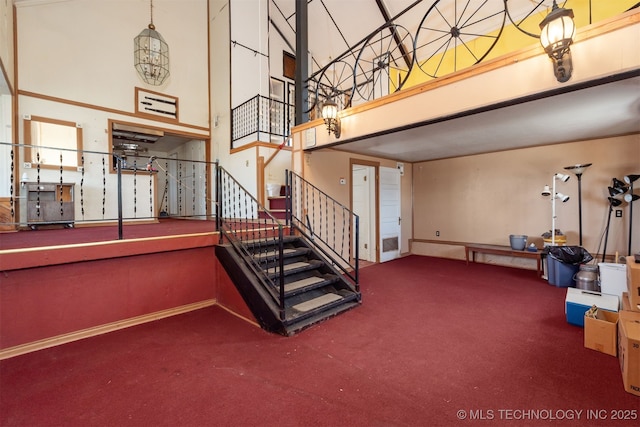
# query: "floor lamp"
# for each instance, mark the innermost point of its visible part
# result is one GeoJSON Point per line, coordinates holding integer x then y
{"type": "Point", "coordinates": [554, 196]}
{"type": "Point", "coordinates": [578, 170]}
{"type": "Point", "coordinates": [630, 198]}
{"type": "Point", "coordinates": [617, 189]}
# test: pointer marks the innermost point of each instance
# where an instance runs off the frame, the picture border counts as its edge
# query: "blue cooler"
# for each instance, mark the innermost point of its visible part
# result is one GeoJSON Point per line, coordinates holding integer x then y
{"type": "Point", "coordinates": [578, 301]}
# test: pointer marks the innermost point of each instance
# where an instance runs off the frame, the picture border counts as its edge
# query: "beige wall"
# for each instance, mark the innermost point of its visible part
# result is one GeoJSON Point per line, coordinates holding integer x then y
{"type": "Point", "coordinates": [324, 169]}
{"type": "Point", "coordinates": [484, 198]}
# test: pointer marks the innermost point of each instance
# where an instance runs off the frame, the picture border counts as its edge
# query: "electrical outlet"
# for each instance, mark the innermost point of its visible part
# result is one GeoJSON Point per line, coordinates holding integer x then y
{"type": "Point", "coordinates": [618, 213]}
{"type": "Point", "coordinates": [437, 234]}
{"type": "Point", "coordinates": [26, 165]}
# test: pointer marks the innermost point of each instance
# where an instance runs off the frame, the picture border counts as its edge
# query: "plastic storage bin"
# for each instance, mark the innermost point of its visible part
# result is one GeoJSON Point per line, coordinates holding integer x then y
{"type": "Point", "coordinates": [563, 262]}
{"type": "Point", "coordinates": [561, 274]}
{"type": "Point", "coordinates": [613, 278]}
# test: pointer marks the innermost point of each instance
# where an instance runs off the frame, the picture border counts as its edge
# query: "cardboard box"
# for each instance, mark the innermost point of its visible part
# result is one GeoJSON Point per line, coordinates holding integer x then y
{"type": "Point", "coordinates": [629, 350]}
{"type": "Point", "coordinates": [601, 332]}
{"type": "Point", "coordinates": [578, 301]}
{"type": "Point", "coordinates": [625, 303]}
{"type": "Point", "coordinates": [633, 281]}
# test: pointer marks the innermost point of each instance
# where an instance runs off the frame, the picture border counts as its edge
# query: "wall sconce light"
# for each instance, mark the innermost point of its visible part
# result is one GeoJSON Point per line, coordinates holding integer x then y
{"type": "Point", "coordinates": [557, 34]}
{"type": "Point", "coordinates": [24, 179]}
{"type": "Point", "coordinates": [330, 116]}
{"type": "Point", "coordinates": [151, 54]}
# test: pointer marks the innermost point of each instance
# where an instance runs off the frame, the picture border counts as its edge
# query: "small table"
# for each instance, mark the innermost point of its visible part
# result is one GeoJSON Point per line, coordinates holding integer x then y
{"type": "Point", "coordinates": [503, 250]}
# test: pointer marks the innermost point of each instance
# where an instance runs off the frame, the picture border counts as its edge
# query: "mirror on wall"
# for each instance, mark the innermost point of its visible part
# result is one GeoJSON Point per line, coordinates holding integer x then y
{"type": "Point", "coordinates": [52, 143]}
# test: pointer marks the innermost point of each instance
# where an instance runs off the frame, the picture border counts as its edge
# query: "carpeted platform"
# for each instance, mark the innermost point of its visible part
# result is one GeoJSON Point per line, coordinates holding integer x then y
{"type": "Point", "coordinates": [435, 343]}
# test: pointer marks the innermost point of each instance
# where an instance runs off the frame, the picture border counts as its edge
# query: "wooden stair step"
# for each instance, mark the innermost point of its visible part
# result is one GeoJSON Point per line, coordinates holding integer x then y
{"type": "Point", "coordinates": [296, 265]}
{"type": "Point", "coordinates": [309, 281]}
{"type": "Point", "coordinates": [317, 302]}
{"type": "Point", "coordinates": [270, 241]}
{"type": "Point", "coordinates": [271, 254]}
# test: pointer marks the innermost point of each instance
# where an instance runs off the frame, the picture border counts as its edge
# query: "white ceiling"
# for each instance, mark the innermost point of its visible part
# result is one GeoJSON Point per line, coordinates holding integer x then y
{"type": "Point", "coordinates": [606, 110]}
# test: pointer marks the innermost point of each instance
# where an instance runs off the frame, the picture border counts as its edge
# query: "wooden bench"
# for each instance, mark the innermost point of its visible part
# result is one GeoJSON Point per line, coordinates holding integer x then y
{"type": "Point", "coordinates": [502, 250]}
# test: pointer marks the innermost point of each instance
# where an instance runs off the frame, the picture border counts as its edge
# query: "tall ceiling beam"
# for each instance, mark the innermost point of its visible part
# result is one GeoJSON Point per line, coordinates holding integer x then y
{"type": "Point", "coordinates": [385, 14]}
{"type": "Point", "coordinates": [302, 61]}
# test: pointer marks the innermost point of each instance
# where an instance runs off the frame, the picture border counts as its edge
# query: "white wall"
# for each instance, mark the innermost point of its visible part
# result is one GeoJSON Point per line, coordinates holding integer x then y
{"type": "Point", "coordinates": [249, 65]}
{"type": "Point", "coordinates": [82, 51]}
{"type": "Point", "coordinates": [5, 150]}
{"type": "Point", "coordinates": [76, 64]}
{"type": "Point", "coordinates": [6, 41]}
{"type": "Point", "coordinates": [220, 56]}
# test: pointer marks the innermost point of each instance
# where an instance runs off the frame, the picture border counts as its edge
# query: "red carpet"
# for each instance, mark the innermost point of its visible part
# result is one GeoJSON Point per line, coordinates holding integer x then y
{"type": "Point", "coordinates": [435, 341]}
{"type": "Point", "coordinates": [57, 235]}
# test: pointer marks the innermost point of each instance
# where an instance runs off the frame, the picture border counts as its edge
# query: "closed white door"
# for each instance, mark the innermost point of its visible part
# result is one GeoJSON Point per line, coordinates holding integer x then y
{"type": "Point", "coordinates": [389, 214]}
{"type": "Point", "coordinates": [363, 201]}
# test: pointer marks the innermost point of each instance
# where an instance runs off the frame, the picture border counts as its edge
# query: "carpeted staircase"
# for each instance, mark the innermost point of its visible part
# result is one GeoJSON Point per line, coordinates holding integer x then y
{"type": "Point", "coordinates": [312, 289]}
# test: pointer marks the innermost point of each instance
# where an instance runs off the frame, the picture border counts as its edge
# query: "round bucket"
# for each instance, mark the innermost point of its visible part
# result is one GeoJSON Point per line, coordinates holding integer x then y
{"type": "Point", "coordinates": [587, 278]}
{"type": "Point", "coordinates": [518, 242]}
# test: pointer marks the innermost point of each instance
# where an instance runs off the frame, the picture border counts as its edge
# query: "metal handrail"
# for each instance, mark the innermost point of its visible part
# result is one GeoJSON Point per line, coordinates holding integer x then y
{"type": "Point", "coordinates": [253, 232]}
{"type": "Point", "coordinates": [261, 115]}
{"type": "Point", "coordinates": [102, 182]}
{"type": "Point", "coordinates": [325, 222]}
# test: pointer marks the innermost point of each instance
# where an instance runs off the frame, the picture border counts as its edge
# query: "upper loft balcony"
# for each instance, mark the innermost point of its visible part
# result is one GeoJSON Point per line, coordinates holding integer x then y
{"type": "Point", "coordinates": [510, 101]}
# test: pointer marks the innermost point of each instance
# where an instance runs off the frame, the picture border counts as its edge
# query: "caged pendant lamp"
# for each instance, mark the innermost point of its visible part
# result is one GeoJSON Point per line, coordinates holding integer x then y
{"type": "Point", "coordinates": [151, 54]}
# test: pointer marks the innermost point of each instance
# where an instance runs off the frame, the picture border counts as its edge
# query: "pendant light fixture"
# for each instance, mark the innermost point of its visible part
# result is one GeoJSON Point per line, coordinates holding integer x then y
{"type": "Point", "coordinates": [151, 54]}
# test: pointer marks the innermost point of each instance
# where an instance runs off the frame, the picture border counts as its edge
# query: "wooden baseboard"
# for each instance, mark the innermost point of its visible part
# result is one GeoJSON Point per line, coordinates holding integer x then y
{"type": "Point", "coordinates": [102, 329]}
{"type": "Point", "coordinates": [228, 310]}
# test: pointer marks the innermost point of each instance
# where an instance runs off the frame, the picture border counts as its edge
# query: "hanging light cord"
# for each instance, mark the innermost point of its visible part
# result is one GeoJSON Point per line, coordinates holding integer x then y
{"type": "Point", "coordinates": [151, 14]}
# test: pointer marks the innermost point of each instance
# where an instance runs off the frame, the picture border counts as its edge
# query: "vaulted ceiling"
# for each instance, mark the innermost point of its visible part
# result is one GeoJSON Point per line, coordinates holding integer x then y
{"type": "Point", "coordinates": [336, 26]}
{"type": "Point", "coordinates": [605, 109]}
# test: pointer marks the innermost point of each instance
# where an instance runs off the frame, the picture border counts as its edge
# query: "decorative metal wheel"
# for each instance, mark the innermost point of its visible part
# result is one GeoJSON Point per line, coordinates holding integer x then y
{"type": "Point", "coordinates": [528, 21]}
{"type": "Point", "coordinates": [335, 83]}
{"type": "Point", "coordinates": [456, 34]}
{"type": "Point", "coordinates": [384, 62]}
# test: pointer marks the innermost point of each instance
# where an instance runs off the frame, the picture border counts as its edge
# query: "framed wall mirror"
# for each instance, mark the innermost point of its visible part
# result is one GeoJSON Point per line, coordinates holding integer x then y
{"type": "Point", "coordinates": [52, 143]}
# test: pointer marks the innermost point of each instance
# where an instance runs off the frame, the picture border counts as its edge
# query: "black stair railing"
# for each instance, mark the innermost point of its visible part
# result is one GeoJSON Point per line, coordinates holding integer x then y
{"type": "Point", "coordinates": [330, 226]}
{"type": "Point", "coordinates": [254, 232]}
{"type": "Point", "coordinates": [102, 187]}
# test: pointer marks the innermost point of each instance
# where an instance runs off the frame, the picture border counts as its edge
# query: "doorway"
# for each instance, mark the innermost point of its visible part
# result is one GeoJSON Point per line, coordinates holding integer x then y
{"type": "Point", "coordinates": [375, 198]}
{"type": "Point", "coordinates": [181, 186]}
{"type": "Point", "coordinates": [363, 203]}
{"type": "Point", "coordinates": [390, 219]}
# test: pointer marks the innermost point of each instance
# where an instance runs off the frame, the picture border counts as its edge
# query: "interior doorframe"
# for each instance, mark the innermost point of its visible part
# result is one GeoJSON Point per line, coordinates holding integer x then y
{"type": "Point", "coordinates": [376, 166]}
{"type": "Point", "coordinates": [209, 171]}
